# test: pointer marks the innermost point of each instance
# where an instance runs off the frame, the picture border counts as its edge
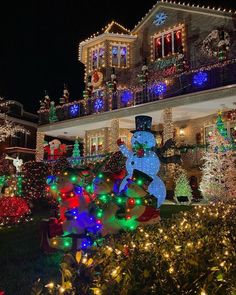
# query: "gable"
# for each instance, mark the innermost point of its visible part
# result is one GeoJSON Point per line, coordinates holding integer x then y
{"type": "Point", "coordinates": [173, 8]}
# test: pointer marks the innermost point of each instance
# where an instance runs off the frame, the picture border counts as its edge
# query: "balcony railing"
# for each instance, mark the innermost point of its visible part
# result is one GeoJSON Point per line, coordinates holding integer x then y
{"type": "Point", "coordinates": [209, 77]}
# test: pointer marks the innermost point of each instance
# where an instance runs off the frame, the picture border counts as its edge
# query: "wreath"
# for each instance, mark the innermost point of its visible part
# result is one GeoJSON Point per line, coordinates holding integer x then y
{"type": "Point", "coordinates": [216, 41]}
{"type": "Point", "coordinates": [97, 78]}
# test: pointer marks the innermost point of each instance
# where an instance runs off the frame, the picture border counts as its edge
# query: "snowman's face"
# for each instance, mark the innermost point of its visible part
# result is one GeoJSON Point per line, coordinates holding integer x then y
{"type": "Point", "coordinates": [143, 137]}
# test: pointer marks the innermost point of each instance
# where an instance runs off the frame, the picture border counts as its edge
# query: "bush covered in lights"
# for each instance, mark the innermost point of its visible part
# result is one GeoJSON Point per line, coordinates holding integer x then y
{"type": "Point", "coordinates": [13, 210]}
{"type": "Point", "coordinates": [193, 253]}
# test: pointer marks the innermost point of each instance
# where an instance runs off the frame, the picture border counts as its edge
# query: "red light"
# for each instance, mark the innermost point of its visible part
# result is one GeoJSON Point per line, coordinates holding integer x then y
{"type": "Point", "coordinates": [131, 201]}
{"type": "Point", "coordinates": [128, 217]}
{"type": "Point", "coordinates": [99, 221]}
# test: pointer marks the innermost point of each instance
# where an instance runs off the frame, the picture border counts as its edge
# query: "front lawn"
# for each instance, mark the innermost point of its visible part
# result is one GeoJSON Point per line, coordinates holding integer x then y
{"type": "Point", "coordinates": [22, 262]}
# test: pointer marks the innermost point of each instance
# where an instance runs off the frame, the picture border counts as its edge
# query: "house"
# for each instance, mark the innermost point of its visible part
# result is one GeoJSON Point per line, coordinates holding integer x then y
{"type": "Point", "coordinates": [23, 144]}
{"type": "Point", "coordinates": [178, 65]}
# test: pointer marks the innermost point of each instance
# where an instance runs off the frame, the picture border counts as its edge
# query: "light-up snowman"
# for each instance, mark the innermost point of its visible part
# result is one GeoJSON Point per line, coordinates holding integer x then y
{"type": "Point", "coordinates": [143, 158]}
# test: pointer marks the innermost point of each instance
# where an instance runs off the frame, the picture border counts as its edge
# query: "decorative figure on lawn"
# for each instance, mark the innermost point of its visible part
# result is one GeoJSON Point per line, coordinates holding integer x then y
{"type": "Point", "coordinates": [143, 157]}
{"type": "Point", "coordinates": [17, 162]}
{"type": "Point", "coordinates": [55, 149]}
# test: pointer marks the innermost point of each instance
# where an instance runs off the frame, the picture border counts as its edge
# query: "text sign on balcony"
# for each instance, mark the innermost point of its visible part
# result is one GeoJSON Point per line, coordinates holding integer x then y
{"type": "Point", "coordinates": [162, 64]}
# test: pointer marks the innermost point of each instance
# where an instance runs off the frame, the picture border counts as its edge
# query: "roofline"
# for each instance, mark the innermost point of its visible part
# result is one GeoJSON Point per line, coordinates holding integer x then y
{"type": "Point", "coordinates": [105, 36]}
{"type": "Point", "coordinates": [184, 7]}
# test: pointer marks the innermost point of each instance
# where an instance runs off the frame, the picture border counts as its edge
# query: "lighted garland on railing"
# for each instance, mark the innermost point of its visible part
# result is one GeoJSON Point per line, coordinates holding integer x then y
{"type": "Point", "coordinates": [199, 80]}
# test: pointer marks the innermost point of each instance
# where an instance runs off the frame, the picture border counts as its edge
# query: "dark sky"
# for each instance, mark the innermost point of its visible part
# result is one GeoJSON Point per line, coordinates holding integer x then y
{"type": "Point", "coordinates": [39, 42]}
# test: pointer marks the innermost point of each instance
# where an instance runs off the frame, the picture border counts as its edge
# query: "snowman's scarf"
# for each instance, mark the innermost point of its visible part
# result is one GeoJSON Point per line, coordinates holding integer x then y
{"type": "Point", "coordinates": [140, 149]}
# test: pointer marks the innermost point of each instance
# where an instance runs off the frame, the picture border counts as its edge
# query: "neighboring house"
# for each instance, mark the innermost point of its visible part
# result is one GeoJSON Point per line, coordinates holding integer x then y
{"type": "Point", "coordinates": [23, 145]}
{"type": "Point", "coordinates": [178, 65]}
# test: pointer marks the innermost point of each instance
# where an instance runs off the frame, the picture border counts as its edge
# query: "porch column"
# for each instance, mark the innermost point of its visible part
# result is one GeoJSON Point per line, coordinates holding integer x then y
{"type": "Point", "coordinates": [115, 130]}
{"type": "Point", "coordinates": [168, 126]}
{"type": "Point", "coordinates": [168, 133]}
{"type": "Point", "coordinates": [106, 140]}
{"type": "Point", "coordinates": [39, 146]}
{"type": "Point", "coordinates": [86, 144]}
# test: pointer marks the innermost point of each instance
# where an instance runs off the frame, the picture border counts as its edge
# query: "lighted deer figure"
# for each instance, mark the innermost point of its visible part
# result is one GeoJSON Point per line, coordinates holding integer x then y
{"type": "Point", "coordinates": [17, 162]}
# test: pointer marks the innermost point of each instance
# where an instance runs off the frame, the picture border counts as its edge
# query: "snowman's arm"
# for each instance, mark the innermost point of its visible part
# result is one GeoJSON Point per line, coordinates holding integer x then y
{"type": "Point", "coordinates": [125, 151]}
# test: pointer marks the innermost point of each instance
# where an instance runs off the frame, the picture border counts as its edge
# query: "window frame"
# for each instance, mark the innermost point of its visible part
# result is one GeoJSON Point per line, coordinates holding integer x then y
{"type": "Point", "coordinates": [96, 138]}
{"type": "Point", "coordinates": [119, 45]}
{"type": "Point", "coordinates": [162, 35]}
{"type": "Point", "coordinates": [91, 50]}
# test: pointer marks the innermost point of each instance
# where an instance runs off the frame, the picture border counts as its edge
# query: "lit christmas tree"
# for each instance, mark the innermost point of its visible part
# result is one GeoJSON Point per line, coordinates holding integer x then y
{"type": "Point", "coordinates": [76, 154]}
{"type": "Point", "coordinates": [221, 126]}
{"type": "Point", "coordinates": [183, 191]}
{"type": "Point", "coordinates": [218, 162]}
{"type": "Point", "coordinates": [230, 173]}
{"type": "Point", "coordinates": [52, 113]}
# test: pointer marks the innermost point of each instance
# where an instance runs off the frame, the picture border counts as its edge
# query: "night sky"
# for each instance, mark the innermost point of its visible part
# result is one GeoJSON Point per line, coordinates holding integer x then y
{"type": "Point", "coordinates": [39, 42]}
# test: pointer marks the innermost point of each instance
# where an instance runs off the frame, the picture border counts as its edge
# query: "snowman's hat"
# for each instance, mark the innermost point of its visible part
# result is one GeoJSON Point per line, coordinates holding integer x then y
{"type": "Point", "coordinates": [143, 123]}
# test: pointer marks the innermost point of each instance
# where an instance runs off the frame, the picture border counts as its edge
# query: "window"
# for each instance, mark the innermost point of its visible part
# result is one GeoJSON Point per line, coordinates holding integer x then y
{"type": "Point", "coordinates": [20, 140]}
{"type": "Point", "coordinates": [168, 42]}
{"type": "Point", "coordinates": [97, 56]}
{"type": "Point", "coordinates": [96, 145]}
{"type": "Point", "coordinates": [119, 55]}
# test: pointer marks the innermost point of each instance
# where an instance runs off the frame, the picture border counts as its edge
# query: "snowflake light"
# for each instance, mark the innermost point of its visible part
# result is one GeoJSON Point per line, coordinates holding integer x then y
{"type": "Point", "coordinates": [126, 96]}
{"type": "Point", "coordinates": [74, 109]}
{"type": "Point", "coordinates": [200, 78]}
{"type": "Point", "coordinates": [160, 19]}
{"type": "Point", "coordinates": [159, 88]}
{"type": "Point", "coordinates": [98, 104]}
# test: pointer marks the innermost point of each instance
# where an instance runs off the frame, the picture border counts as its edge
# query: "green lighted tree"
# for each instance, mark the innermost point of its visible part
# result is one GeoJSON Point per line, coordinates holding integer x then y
{"type": "Point", "coordinates": [52, 113]}
{"type": "Point", "coordinates": [221, 126]}
{"type": "Point", "coordinates": [76, 154]}
{"type": "Point", "coordinates": [183, 189]}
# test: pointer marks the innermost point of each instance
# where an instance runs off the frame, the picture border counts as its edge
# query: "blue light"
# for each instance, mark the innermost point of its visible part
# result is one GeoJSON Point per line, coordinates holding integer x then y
{"type": "Point", "coordinates": [51, 179]}
{"type": "Point", "coordinates": [126, 96]}
{"type": "Point", "coordinates": [200, 78]}
{"type": "Point", "coordinates": [98, 104]}
{"type": "Point", "coordinates": [159, 88]}
{"type": "Point", "coordinates": [78, 190]}
{"type": "Point", "coordinates": [74, 109]}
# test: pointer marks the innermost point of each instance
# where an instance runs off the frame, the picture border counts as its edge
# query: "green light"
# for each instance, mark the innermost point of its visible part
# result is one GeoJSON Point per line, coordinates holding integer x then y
{"type": "Point", "coordinates": [138, 201]}
{"type": "Point", "coordinates": [119, 200]}
{"type": "Point", "coordinates": [66, 244]}
{"type": "Point", "coordinates": [139, 182]}
{"type": "Point", "coordinates": [131, 227]}
{"type": "Point", "coordinates": [54, 187]}
{"type": "Point", "coordinates": [99, 214]}
{"type": "Point", "coordinates": [88, 187]}
{"type": "Point", "coordinates": [59, 199]}
{"type": "Point", "coordinates": [103, 198]}
{"type": "Point", "coordinates": [100, 175]}
{"type": "Point", "coordinates": [73, 178]}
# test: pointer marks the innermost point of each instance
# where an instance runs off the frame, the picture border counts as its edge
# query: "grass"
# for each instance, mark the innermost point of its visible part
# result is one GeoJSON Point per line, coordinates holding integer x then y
{"type": "Point", "coordinates": [22, 262]}
{"type": "Point", "coordinates": [21, 259]}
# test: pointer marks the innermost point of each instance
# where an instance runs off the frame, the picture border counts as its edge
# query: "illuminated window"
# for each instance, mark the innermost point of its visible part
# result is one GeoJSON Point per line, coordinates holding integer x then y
{"type": "Point", "coordinates": [119, 56]}
{"type": "Point", "coordinates": [168, 42]}
{"type": "Point", "coordinates": [96, 145]}
{"type": "Point", "coordinates": [97, 56]}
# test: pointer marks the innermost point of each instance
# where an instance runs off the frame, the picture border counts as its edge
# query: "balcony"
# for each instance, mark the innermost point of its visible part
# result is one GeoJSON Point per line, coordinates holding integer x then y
{"type": "Point", "coordinates": [208, 77]}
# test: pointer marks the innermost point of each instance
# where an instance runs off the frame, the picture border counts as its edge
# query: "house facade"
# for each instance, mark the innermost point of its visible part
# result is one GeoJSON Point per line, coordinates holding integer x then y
{"type": "Point", "coordinates": [22, 144]}
{"type": "Point", "coordinates": [178, 65]}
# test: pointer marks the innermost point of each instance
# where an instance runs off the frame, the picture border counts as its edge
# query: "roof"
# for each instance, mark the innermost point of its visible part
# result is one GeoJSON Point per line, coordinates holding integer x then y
{"type": "Point", "coordinates": [183, 6]}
